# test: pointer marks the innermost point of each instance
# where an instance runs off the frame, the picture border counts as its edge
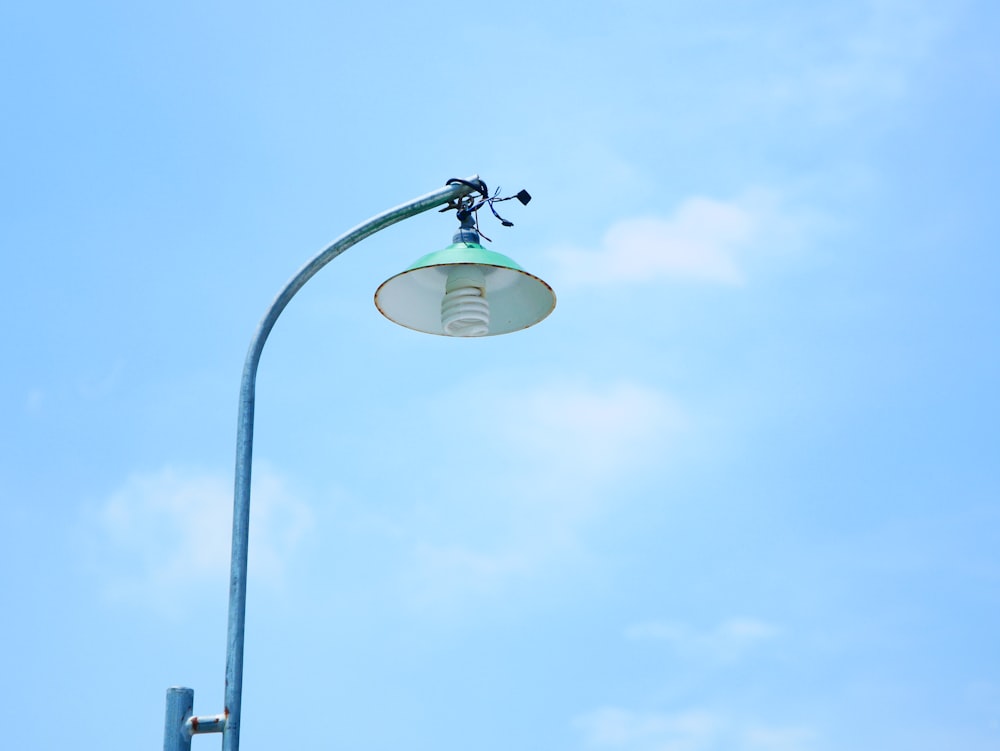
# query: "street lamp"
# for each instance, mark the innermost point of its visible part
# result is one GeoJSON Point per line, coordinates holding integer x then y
{"type": "Point", "coordinates": [463, 290]}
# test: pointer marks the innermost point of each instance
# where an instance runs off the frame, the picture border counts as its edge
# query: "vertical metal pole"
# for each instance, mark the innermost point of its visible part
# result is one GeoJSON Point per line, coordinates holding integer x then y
{"type": "Point", "coordinates": [180, 704]}
{"type": "Point", "coordinates": [244, 438]}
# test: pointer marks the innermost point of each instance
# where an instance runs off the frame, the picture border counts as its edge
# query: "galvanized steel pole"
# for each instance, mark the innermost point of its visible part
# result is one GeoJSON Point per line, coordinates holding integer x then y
{"type": "Point", "coordinates": [180, 724]}
{"type": "Point", "coordinates": [180, 704]}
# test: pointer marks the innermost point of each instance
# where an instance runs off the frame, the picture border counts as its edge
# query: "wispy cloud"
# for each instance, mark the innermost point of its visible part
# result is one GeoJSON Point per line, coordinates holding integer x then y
{"type": "Point", "coordinates": [702, 240]}
{"type": "Point", "coordinates": [727, 642]}
{"type": "Point", "coordinates": [696, 729]}
{"type": "Point", "coordinates": [851, 70]}
{"type": "Point", "coordinates": [769, 738]}
{"type": "Point", "coordinates": [882, 55]}
{"type": "Point", "coordinates": [615, 728]}
{"type": "Point", "coordinates": [562, 443]}
{"type": "Point", "coordinates": [574, 436]}
{"type": "Point", "coordinates": [163, 537]}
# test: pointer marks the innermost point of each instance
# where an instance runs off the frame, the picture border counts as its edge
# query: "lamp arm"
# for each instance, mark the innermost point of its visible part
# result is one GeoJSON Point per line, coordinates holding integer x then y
{"type": "Point", "coordinates": [180, 724]}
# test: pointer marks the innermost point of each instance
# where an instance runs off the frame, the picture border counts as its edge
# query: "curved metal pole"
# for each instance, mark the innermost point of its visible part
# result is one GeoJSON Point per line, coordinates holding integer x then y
{"type": "Point", "coordinates": [229, 722]}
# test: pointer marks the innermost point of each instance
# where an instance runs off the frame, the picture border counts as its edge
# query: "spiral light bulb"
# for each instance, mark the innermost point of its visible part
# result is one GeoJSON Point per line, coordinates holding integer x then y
{"type": "Point", "coordinates": [465, 311]}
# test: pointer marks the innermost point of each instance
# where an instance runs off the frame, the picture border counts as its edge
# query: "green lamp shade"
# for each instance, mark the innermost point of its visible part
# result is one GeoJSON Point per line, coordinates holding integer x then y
{"type": "Point", "coordinates": [465, 290]}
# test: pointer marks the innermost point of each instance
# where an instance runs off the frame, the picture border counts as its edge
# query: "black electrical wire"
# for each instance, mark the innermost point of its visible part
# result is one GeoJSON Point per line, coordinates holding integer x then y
{"type": "Point", "coordinates": [467, 205]}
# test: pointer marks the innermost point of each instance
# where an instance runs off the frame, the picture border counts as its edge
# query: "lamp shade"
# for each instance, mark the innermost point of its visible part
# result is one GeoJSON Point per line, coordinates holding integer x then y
{"type": "Point", "coordinates": [465, 290]}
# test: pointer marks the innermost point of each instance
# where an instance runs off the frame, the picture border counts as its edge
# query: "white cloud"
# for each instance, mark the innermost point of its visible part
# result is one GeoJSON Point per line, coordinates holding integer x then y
{"type": "Point", "coordinates": [727, 642]}
{"type": "Point", "coordinates": [763, 738]}
{"type": "Point", "coordinates": [619, 729]}
{"type": "Point", "coordinates": [849, 72]}
{"type": "Point", "coordinates": [702, 241]}
{"type": "Point", "coordinates": [574, 436]}
{"type": "Point", "coordinates": [882, 55]}
{"type": "Point", "coordinates": [561, 445]}
{"type": "Point", "coordinates": [615, 728]}
{"type": "Point", "coordinates": [567, 439]}
{"type": "Point", "coordinates": [443, 572]}
{"type": "Point", "coordinates": [164, 536]}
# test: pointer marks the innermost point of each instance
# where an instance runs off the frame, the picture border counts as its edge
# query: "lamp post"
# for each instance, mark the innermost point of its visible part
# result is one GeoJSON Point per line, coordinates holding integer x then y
{"type": "Point", "coordinates": [464, 290]}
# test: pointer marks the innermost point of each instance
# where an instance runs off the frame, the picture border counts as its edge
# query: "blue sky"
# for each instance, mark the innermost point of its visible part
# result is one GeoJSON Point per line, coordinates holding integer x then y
{"type": "Point", "coordinates": [740, 491]}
